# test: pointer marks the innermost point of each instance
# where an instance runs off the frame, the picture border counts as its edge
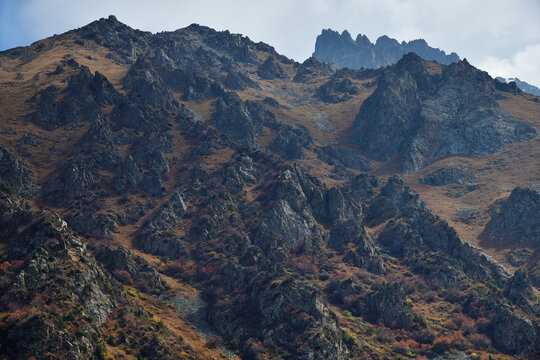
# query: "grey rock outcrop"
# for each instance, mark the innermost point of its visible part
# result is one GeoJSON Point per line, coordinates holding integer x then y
{"type": "Point", "coordinates": [82, 100]}
{"type": "Point", "coordinates": [278, 302]}
{"type": "Point", "coordinates": [288, 146]}
{"type": "Point", "coordinates": [394, 200]}
{"type": "Point", "coordinates": [72, 182]}
{"type": "Point", "coordinates": [389, 304]}
{"type": "Point", "coordinates": [446, 175]}
{"type": "Point", "coordinates": [141, 274]}
{"type": "Point", "coordinates": [271, 69]}
{"type": "Point", "coordinates": [300, 203]}
{"type": "Point", "coordinates": [346, 157]}
{"type": "Point", "coordinates": [146, 83]}
{"type": "Point", "coordinates": [129, 176]}
{"type": "Point", "coordinates": [27, 142]}
{"type": "Point", "coordinates": [337, 90]}
{"type": "Point", "coordinates": [522, 85]}
{"type": "Point", "coordinates": [521, 292]}
{"type": "Point", "coordinates": [243, 173]}
{"type": "Point", "coordinates": [14, 175]}
{"type": "Point", "coordinates": [507, 225]}
{"type": "Point", "coordinates": [512, 332]}
{"type": "Point", "coordinates": [312, 69]}
{"type": "Point", "coordinates": [112, 34]}
{"type": "Point", "coordinates": [158, 235]}
{"type": "Point", "coordinates": [91, 224]}
{"type": "Point", "coordinates": [48, 250]}
{"type": "Point", "coordinates": [416, 230]}
{"type": "Point", "coordinates": [242, 121]}
{"type": "Point", "coordinates": [518, 257]}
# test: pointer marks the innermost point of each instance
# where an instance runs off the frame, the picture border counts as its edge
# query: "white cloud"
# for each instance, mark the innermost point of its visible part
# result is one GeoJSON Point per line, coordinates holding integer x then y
{"type": "Point", "coordinates": [523, 64]}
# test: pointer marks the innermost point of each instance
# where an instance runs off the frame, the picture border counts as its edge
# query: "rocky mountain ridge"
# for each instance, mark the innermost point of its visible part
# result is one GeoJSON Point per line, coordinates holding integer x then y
{"type": "Point", "coordinates": [342, 50]}
{"type": "Point", "coordinates": [199, 164]}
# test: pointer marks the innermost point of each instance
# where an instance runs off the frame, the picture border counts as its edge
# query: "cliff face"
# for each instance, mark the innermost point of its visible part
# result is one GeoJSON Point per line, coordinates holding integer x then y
{"type": "Point", "coordinates": [193, 194]}
{"type": "Point", "coordinates": [343, 51]}
{"type": "Point", "coordinates": [421, 117]}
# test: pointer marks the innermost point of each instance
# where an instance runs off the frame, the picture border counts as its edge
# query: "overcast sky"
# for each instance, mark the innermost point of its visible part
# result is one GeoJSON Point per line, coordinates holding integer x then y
{"type": "Point", "coordinates": [499, 36]}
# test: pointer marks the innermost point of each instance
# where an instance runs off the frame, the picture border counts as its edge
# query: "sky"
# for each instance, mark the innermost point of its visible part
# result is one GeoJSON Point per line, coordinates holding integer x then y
{"type": "Point", "coordinates": [499, 36]}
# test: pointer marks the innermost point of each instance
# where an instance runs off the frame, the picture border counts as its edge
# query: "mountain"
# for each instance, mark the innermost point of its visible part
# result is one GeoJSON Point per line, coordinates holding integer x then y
{"type": "Point", "coordinates": [342, 50]}
{"type": "Point", "coordinates": [196, 195]}
{"type": "Point", "coordinates": [524, 86]}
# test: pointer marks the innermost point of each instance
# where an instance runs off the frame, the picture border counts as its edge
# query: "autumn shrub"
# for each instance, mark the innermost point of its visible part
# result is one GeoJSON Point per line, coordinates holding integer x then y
{"type": "Point", "coordinates": [446, 343]}
{"type": "Point", "coordinates": [214, 341]}
{"type": "Point", "coordinates": [177, 269]}
{"type": "Point", "coordinates": [406, 347]}
{"type": "Point", "coordinates": [303, 265]}
{"type": "Point", "coordinates": [253, 350]}
{"type": "Point", "coordinates": [384, 335]}
{"type": "Point", "coordinates": [453, 295]}
{"type": "Point", "coordinates": [401, 347]}
{"type": "Point", "coordinates": [458, 321]}
{"type": "Point", "coordinates": [481, 324]}
{"type": "Point", "coordinates": [430, 296]}
{"type": "Point", "coordinates": [123, 276]}
{"type": "Point", "coordinates": [426, 336]}
{"type": "Point", "coordinates": [480, 341]}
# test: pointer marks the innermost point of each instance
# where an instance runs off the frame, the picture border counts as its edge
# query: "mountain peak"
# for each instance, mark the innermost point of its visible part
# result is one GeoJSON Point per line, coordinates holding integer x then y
{"type": "Point", "coordinates": [345, 35]}
{"type": "Point", "coordinates": [341, 50]}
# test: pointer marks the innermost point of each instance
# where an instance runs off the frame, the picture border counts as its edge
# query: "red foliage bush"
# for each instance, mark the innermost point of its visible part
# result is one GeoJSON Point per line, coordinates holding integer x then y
{"type": "Point", "coordinates": [482, 324]}
{"type": "Point", "coordinates": [404, 346]}
{"type": "Point", "coordinates": [458, 321]}
{"type": "Point", "coordinates": [176, 269]}
{"type": "Point", "coordinates": [445, 343]}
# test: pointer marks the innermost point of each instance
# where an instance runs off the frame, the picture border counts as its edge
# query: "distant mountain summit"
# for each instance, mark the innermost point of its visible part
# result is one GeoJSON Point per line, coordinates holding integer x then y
{"type": "Point", "coordinates": [343, 51]}
{"type": "Point", "coordinates": [523, 85]}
